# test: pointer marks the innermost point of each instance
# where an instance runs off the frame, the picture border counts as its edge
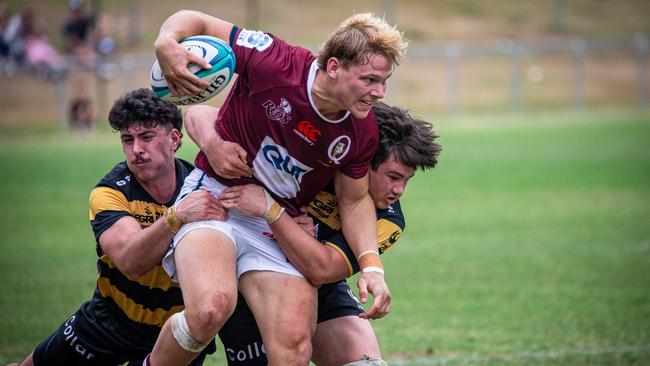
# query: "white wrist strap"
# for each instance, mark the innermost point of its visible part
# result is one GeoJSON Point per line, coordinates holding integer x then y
{"type": "Point", "coordinates": [372, 269]}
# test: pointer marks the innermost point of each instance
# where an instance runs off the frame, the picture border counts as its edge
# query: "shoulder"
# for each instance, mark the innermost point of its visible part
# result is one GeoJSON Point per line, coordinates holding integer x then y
{"type": "Point", "coordinates": [390, 226]}
{"type": "Point", "coordinates": [183, 168]}
{"type": "Point", "coordinates": [120, 182]}
{"type": "Point", "coordinates": [267, 54]}
{"type": "Point", "coordinates": [118, 178]}
{"type": "Point", "coordinates": [367, 127]}
{"type": "Point", "coordinates": [393, 214]}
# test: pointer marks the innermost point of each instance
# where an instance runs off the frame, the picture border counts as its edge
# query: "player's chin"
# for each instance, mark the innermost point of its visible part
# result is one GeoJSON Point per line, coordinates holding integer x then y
{"type": "Point", "coordinates": [382, 204]}
{"type": "Point", "coordinates": [361, 109]}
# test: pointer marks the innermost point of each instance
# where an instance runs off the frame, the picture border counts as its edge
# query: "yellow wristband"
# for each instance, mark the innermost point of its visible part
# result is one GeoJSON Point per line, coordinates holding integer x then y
{"type": "Point", "coordinates": [172, 220]}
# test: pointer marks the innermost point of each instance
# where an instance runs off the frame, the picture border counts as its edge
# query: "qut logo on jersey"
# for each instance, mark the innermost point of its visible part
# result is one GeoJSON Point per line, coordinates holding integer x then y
{"type": "Point", "coordinates": [274, 155]}
{"type": "Point", "coordinates": [278, 170]}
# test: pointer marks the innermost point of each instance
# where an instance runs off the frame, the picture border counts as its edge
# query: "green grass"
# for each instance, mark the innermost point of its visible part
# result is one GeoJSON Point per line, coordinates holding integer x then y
{"type": "Point", "coordinates": [528, 244]}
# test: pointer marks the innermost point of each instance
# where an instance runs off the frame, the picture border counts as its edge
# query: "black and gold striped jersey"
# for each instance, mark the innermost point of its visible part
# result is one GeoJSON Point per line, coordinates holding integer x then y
{"type": "Point", "coordinates": [324, 209]}
{"type": "Point", "coordinates": [152, 298]}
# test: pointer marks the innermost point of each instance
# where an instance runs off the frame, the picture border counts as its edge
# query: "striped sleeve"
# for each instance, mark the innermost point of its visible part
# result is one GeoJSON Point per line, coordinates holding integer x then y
{"type": "Point", "coordinates": [107, 205]}
{"type": "Point", "coordinates": [388, 232]}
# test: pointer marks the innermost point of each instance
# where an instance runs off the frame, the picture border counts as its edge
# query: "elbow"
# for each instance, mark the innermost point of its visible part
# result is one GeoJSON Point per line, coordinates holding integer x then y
{"type": "Point", "coordinates": [131, 270]}
{"type": "Point", "coordinates": [317, 275]}
{"type": "Point", "coordinates": [315, 280]}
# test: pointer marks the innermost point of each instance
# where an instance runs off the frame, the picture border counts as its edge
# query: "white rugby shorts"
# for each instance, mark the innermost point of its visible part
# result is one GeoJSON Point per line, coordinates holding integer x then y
{"type": "Point", "coordinates": [256, 251]}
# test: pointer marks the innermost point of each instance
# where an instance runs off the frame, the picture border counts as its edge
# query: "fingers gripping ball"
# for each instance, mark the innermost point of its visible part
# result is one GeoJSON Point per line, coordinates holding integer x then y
{"type": "Point", "coordinates": [211, 49]}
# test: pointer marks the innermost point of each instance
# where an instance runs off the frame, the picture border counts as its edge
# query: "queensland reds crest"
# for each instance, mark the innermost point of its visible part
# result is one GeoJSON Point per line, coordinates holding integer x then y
{"type": "Point", "coordinates": [339, 148]}
{"type": "Point", "coordinates": [278, 113]}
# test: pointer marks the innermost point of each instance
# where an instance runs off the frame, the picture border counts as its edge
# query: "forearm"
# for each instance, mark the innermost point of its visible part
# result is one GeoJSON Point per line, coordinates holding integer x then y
{"type": "Point", "coordinates": [359, 224]}
{"type": "Point", "coordinates": [199, 124]}
{"type": "Point", "coordinates": [141, 250]}
{"type": "Point", "coordinates": [317, 262]}
{"type": "Point", "coordinates": [182, 24]}
{"type": "Point", "coordinates": [186, 23]}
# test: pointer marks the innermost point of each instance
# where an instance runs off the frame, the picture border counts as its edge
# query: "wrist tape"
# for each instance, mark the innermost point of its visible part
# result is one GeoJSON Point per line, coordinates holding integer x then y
{"type": "Point", "coordinates": [172, 220]}
{"type": "Point", "coordinates": [273, 209]}
{"type": "Point", "coordinates": [369, 262]}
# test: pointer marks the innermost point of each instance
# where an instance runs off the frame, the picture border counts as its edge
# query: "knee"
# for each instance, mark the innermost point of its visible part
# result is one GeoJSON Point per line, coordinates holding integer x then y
{"type": "Point", "coordinates": [208, 317]}
{"type": "Point", "coordinates": [296, 344]}
{"type": "Point", "coordinates": [303, 351]}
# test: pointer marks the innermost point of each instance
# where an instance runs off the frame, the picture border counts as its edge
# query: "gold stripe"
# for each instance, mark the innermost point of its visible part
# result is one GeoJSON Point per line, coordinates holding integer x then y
{"type": "Point", "coordinates": [156, 278]}
{"type": "Point", "coordinates": [345, 257]}
{"type": "Point", "coordinates": [135, 312]}
{"type": "Point", "coordinates": [104, 198]}
{"type": "Point", "coordinates": [325, 208]}
{"type": "Point", "coordinates": [108, 199]}
{"type": "Point", "coordinates": [388, 233]}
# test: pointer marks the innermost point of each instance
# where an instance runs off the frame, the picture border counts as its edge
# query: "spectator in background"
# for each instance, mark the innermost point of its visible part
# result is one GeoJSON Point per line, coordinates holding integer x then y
{"type": "Point", "coordinates": [81, 110]}
{"type": "Point", "coordinates": [78, 33]}
{"type": "Point", "coordinates": [6, 64]}
{"type": "Point", "coordinates": [4, 21]}
{"type": "Point", "coordinates": [104, 41]}
{"type": "Point", "coordinates": [28, 45]}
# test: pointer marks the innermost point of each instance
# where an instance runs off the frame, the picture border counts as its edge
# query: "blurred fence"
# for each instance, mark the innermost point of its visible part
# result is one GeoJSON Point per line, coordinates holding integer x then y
{"type": "Point", "coordinates": [579, 49]}
{"type": "Point", "coordinates": [454, 77]}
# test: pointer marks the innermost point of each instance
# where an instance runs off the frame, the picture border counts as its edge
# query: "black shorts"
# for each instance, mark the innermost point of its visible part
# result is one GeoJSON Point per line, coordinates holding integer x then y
{"type": "Point", "coordinates": [99, 335]}
{"type": "Point", "coordinates": [242, 339]}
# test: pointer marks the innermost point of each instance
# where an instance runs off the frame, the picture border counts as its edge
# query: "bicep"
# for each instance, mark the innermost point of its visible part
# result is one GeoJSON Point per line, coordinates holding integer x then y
{"type": "Point", "coordinates": [218, 28]}
{"type": "Point", "coordinates": [350, 190]}
{"type": "Point", "coordinates": [197, 23]}
{"type": "Point", "coordinates": [199, 123]}
{"type": "Point", "coordinates": [114, 239]}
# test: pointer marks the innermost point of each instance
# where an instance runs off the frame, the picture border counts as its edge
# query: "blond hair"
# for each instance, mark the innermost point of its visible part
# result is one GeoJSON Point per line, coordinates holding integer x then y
{"type": "Point", "coordinates": [361, 36]}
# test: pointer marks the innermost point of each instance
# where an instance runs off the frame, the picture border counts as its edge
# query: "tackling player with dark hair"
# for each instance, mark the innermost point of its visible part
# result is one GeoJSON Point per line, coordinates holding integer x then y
{"type": "Point", "coordinates": [133, 217]}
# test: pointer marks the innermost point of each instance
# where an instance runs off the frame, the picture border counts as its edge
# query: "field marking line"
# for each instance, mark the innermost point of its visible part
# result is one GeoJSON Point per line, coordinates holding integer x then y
{"type": "Point", "coordinates": [446, 360]}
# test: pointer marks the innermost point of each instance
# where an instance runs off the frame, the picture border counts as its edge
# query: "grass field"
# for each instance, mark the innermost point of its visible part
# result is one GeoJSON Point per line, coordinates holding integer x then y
{"type": "Point", "coordinates": [528, 244]}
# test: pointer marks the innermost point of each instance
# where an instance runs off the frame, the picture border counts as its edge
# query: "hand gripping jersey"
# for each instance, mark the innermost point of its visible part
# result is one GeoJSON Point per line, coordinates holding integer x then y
{"type": "Point", "coordinates": [293, 149]}
{"type": "Point", "coordinates": [152, 298]}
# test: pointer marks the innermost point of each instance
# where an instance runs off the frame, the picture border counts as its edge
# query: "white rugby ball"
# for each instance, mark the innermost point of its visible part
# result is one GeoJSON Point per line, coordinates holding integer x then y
{"type": "Point", "coordinates": [211, 49]}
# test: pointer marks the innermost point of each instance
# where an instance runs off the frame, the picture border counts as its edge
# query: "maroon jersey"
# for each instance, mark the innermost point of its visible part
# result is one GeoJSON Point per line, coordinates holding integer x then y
{"type": "Point", "coordinates": [294, 150]}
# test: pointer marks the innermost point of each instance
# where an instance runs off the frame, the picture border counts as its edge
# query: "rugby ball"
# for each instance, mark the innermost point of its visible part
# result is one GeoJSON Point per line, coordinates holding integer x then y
{"type": "Point", "coordinates": [211, 49]}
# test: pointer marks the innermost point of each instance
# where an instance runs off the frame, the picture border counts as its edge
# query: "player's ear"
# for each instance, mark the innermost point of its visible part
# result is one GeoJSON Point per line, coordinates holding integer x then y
{"type": "Point", "coordinates": [175, 135]}
{"type": "Point", "coordinates": [333, 67]}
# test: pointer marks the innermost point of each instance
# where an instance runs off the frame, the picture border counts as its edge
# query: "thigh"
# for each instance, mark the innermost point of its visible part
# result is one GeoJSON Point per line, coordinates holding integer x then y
{"type": "Point", "coordinates": [205, 264]}
{"type": "Point", "coordinates": [336, 300]}
{"type": "Point", "coordinates": [284, 305]}
{"type": "Point", "coordinates": [257, 250]}
{"type": "Point", "coordinates": [342, 340]}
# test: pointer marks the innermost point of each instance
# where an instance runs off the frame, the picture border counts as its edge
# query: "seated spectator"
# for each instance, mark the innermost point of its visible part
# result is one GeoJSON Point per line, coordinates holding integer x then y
{"type": "Point", "coordinates": [29, 47]}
